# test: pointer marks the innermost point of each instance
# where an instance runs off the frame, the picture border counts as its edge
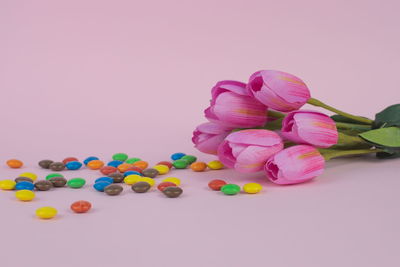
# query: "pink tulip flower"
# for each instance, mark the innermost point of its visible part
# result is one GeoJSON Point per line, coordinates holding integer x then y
{"type": "Point", "coordinates": [310, 127]}
{"type": "Point", "coordinates": [278, 90]}
{"type": "Point", "coordinates": [248, 150]}
{"type": "Point", "coordinates": [208, 136]}
{"type": "Point", "coordinates": [231, 106]}
{"type": "Point", "coordinates": [293, 165]}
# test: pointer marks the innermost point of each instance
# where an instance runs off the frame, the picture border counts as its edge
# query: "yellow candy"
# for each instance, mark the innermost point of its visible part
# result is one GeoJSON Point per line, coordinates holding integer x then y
{"type": "Point", "coordinates": [46, 212]}
{"type": "Point", "coordinates": [25, 195]}
{"type": "Point", "coordinates": [29, 175]}
{"type": "Point", "coordinates": [148, 180]}
{"type": "Point", "coordinates": [131, 179]}
{"type": "Point", "coordinates": [7, 184]}
{"type": "Point", "coordinates": [252, 188]}
{"type": "Point", "coordinates": [215, 165]}
{"type": "Point", "coordinates": [162, 169]}
{"type": "Point", "coordinates": [172, 180]}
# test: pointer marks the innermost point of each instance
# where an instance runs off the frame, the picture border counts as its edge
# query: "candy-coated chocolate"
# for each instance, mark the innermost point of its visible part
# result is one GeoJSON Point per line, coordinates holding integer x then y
{"type": "Point", "coordinates": [29, 175]}
{"type": "Point", "coordinates": [180, 164]}
{"type": "Point", "coordinates": [7, 184]}
{"type": "Point", "coordinates": [14, 163]}
{"type": "Point", "coordinates": [215, 165]}
{"type": "Point", "coordinates": [230, 189]}
{"type": "Point", "coordinates": [95, 164]}
{"type": "Point", "coordinates": [115, 163]}
{"type": "Point", "coordinates": [134, 168]}
{"type": "Point", "coordinates": [113, 189]}
{"type": "Point", "coordinates": [105, 179]}
{"type": "Point", "coordinates": [174, 180]}
{"type": "Point", "coordinates": [20, 179]}
{"type": "Point", "coordinates": [24, 185]}
{"type": "Point", "coordinates": [151, 172]}
{"type": "Point", "coordinates": [164, 185]}
{"type": "Point", "coordinates": [58, 181]}
{"type": "Point", "coordinates": [46, 212]}
{"type": "Point", "coordinates": [172, 191]}
{"type": "Point", "coordinates": [166, 163]}
{"type": "Point", "coordinates": [106, 170]}
{"type": "Point", "coordinates": [51, 175]}
{"type": "Point", "coordinates": [148, 180]}
{"type": "Point", "coordinates": [73, 165]}
{"type": "Point", "coordinates": [162, 169]}
{"type": "Point", "coordinates": [124, 167]}
{"type": "Point", "coordinates": [216, 184]}
{"type": "Point", "coordinates": [141, 164]}
{"type": "Point", "coordinates": [132, 160]}
{"type": "Point", "coordinates": [89, 159]}
{"type": "Point", "coordinates": [252, 188]}
{"type": "Point", "coordinates": [132, 172]}
{"type": "Point", "coordinates": [57, 166]}
{"type": "Point", "coordinates": [131, 179]}
{"type": "Point", "coordinates": [141, 187]}
{"type": "Point", "coordinates": [43, 185]}
{"type": "Point", "coordinates": [177, 156]}
{"type": "Point", "coordinates": [198, 166]}
{"type": "Point", "coordinates": [69, 159]}
{"type": "Point", "coordinates": [117, 177]}
{"type": "Point", "coordinates": [81, 206]}
{"type": "Point", "coordinates": [189, 158]}
{"type": "Point", "coordinates": [45, 164]}
{"type": "Point", "coordinates": [25, 195]}
{"type": "Point", "coordinates": [120, 156]}
{"type": "Point", "coordinates": [76, 182]}
{"type": "Point", "coordinates": [99, 186]}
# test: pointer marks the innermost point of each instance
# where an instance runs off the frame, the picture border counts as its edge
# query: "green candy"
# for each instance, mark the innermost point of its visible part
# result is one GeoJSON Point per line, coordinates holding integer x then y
{"type": "Point", "coordinates": [51, 175]}
{"type": "Point", "coordinates": [180, 164]}
{"type": "Point", "coordinates": [189, 159]}
{"type": "Point", "coordinates": [132, 160]}
{"type": "Point", "coordinates": [76, 182]}
{"type": "Point", "coordinates": [120, 156]}
{"type": "Point", "coordinates": [230, 189]}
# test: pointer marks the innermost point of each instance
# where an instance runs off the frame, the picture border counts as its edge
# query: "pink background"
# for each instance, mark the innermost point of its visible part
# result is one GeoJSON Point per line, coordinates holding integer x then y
{"type": "Point", "coordinates": [81, 78]}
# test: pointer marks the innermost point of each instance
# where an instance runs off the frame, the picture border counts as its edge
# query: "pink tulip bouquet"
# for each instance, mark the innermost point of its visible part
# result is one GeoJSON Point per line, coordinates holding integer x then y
{"type": "Point", "coordinates": [260, 126]}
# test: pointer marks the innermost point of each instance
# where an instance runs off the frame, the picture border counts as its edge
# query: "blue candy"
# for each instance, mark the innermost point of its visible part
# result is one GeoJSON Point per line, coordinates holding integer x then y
{"type": "Point", "coordinates": [73, 165]}
{"type": "Point", "coordinates": [24, 185]}
{"type": "Point", "coordinates": [89, 159]}
{"type": "Point", "coordinates": [131, 173]}
{"type": "Point", "coordinates": [99, 186]}
{"type": "Point", "coordinates": [115, 163]}
{"type": "Point", "coordinates": [104, 179]}
{"type": "Point", "coordinates": [177, 156]}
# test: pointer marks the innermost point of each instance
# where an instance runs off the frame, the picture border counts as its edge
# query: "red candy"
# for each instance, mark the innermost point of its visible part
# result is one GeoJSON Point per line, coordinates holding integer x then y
{"type": "Point", "coordinates": [66, 160]}
{"type": "Point", "coordinates": [164, 185]}
{"type": "Point", "coordinates": [134, 168]}
{"type": "Point", "coordinates": [166, 163]}
{"type": "Point", "coordinates": [106, 170]}
{"type": "Point", "coordinates": [216, 184]}
{"type": "Point", "coordinates": [81, 206]}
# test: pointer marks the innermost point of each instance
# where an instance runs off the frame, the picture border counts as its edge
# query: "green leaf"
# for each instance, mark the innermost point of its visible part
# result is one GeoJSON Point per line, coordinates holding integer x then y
{"type": "Point", "coordinates": [387, 139]}
{"type": "Point", "coordinates": [340, 118]}
{"type": "Point", "coordinates": [390, 116]}
{"type": "Point", "coordinates": [386, 155]}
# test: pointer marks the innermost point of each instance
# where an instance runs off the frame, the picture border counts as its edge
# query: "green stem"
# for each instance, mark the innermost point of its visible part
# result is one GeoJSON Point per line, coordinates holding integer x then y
{"type": "Point", "coordinates": [331, 153]}
{"type": "Point", "coordinates": [316, 102]}
{"type": "Point", "coordinates": [275, 114]}
{"type": "Point", "coordinates": [349, 141]}
{"type": "Point", "coordinates": [353, 126]}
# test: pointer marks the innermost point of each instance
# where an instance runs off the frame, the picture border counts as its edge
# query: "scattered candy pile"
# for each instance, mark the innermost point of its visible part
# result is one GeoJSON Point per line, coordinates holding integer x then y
{"type": "Point", "coordinates": [134, 172]}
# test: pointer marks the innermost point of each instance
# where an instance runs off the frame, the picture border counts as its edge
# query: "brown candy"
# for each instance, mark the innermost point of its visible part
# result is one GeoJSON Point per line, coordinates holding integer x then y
{"type": "Point", "coordinates": [58, 181]}
{"type": "Point", "coordinates": [150, 172]}
{"type": "Point", "coordinates": [57, 166]}
{"type": "Point", "coordinates": [45, 164]}
{"type": "Point", "coordinates": [117, 177]}
{"type": "Point", "coordinates": [141, 187]}
{"type": "Point", "coordinates": [43, 185]}
{"type": "Point", "coordinates": [21, 179]}
{"type": "Point", "coordinates": [172, 191]}
{"type": "Point", "coordinates": [113, 189]}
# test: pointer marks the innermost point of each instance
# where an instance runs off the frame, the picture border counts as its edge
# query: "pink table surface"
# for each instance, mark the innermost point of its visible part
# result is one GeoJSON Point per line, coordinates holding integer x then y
{"type": "Point", "coordinates": [81, 78]}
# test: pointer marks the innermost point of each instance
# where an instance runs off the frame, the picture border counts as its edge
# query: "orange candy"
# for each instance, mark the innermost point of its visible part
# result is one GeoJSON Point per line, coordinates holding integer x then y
{"type": "Point", "coordinates": [198, 166]}
{"type": "Point", "coordinates": [106, 170]}
{"type": "Point", "coordinates": [81, 206]}
{"type": "Point", "coordinates": [95, 164]}
{"type": "Point", "coordinates": [124, 167]}
{"type": "Point", "coordinates": [14, 163]}
{"type": "Point", "coordinates": [141, 164]}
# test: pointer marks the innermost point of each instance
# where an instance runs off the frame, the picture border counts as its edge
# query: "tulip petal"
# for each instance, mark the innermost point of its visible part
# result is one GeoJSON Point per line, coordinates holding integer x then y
{"type": "Point", "coordinates": [253, 158]}
{"type": "Point", "coordinates": [255, 137]}
{"type": "Point", "coordinates": [229, 86]}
